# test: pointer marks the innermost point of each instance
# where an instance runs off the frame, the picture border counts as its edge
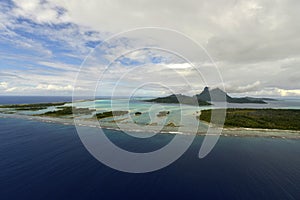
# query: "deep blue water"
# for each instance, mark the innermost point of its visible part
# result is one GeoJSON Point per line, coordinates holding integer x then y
{"type": "Point", "coordinates": [47, 161]}
{"type": "Point", "coordinates": [33, 99]}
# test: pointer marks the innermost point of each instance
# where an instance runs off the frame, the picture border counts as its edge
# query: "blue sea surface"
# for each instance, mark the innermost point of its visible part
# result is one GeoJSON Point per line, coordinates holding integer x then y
{"type": "Point", "coordinates": [33, 99]}
{"type": "Point", "coordinates": [48, 161]}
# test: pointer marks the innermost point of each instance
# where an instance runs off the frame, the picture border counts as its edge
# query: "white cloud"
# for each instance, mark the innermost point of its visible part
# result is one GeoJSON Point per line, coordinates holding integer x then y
{"type": "Point", "coordinates": [55, 87]}
{"type": "Point", "coordinates": [255, 43]}
{"type": "Point", "coordinates": [38, 11]}
{"type": "Point", "coordinates": [180, 66]}
{"type": "Point", "coordinates": [243, 88]}
{"type": "Point", "coordinates": [11, 89]}
{"type": "Point", "coordinates": [60, 66]}
{"type": "Point", "coordinates": [288, 92]}
{"type": "Point", "coordinates": [3, 85]}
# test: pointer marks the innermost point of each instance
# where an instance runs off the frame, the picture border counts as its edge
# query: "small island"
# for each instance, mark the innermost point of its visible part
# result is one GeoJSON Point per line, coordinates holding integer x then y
{"type": "Point", "coordinates": [163, 113]}
{"type": "Point", "coordinates": [110, 114]}
{"type": "Point", "coordinates": [68, 110]}
{"type": "Point", "coordinates": [137, 113]}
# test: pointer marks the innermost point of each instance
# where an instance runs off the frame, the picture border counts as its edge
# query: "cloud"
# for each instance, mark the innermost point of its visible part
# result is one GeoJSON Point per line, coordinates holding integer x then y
{"type": "Point", "coordinates": [244, 88]}
{"type": "Point", "coordinates": [11, 89]}
{"type": "Point", "coordinates": [180, 66]}
{"type": "Point", "coordinates": [288, 92]}
{"type": "Point", "coordinates": [3, 85]}
{"type": "Point", "coordinates": [38, 11]}
{"type": "Point", "coordinates": [55, 87]}
{"type": "Point", "coordinates": [42, 28]}
{"type": "Point", "coordinates": [60, 66]}
{"type": "Point", "coordinates": [231, 30]}
{"type": "Point", "coordinates": [255, 43]}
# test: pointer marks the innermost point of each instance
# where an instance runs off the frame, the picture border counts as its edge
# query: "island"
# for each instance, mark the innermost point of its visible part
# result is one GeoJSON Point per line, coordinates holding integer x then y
{"type": "Point", "coordinates": [179, 98]}
{"type": "Point", "coordinates": [33, 107]}
{"type": "Point", "coordinates": [207, 96]}
{"type": "Point", "coordinates": [111, 114]}
{"type": "Point", "coordinates": [219, 96]}
{"type": "Point", "coordinates": [238, 122]}
{"type": "Point", "coordinates": [283, 119]}
{"type": "Point", "coordinates": [163, 113]}
{"type": "Point", "coordinates": [67, 110]}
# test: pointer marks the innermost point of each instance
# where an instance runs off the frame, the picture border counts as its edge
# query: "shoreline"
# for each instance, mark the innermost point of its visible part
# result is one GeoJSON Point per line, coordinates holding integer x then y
{"type": "Point", "coordinates": [226, 132]}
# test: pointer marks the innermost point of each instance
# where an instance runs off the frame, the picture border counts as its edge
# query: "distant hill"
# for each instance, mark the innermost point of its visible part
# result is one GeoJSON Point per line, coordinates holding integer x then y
{"type": "Point", "coordinates": [262, 99]}
{"type": "Point", "coordinates": [218, 95]}
{"type": "Point", "coordinates": [204, 98]}
{"type": "Point", "coordinates": [221, 96]}
{"type": "Point", "coordinates": [179, 98]}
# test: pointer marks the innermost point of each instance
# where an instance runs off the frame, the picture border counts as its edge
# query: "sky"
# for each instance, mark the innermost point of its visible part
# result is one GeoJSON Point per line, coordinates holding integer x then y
{"type": "Point", "coordinates": [45, 44]}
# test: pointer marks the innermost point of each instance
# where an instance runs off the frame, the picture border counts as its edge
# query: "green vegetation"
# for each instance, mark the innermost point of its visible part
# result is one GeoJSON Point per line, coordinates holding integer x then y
{"type": "Point", "coordinates": [137, 113]}
{"type": "Point", "coordinates": [8, 112]}
{"type": "Point", "coordinates": [283, 119]}
{"type": "Point", "coordinates": [110, 114]}
{"type": "Point", "coordinates": [57, 113]}
{"type": "Point", "coordinates": [68, 110]}
{"type": "Point", "coordinates": [32, 107]}
{"type": "Point", "coordinates": [163, 113]}
{"type": "Point", "coordinates": [171, 124]}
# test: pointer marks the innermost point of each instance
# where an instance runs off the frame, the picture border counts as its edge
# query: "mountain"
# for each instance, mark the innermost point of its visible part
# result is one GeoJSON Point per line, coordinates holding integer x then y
{"type": "Point", "coordinates": [179, 98]}
{"type": "Point", "coordinates": [204, 97]}
{"type": "Point", "coordinates": [220, 96]}
{"type": "Point", "coordinates": [217, 94]}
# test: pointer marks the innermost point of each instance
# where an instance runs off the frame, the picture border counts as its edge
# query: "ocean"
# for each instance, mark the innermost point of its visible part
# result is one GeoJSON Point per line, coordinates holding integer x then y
{"type": "Point", "coordinates": [33, 99]}
{"type": "Point", "coordinates": [48, 161]}
{"type": "Point", "coordinates": [42, 160]}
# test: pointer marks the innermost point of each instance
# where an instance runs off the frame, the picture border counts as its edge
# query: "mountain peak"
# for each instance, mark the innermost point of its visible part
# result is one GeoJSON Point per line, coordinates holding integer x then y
{"type": "Point", "coordinates": [217, 90]}
{"type": "Point", "coordinates": [216, 93]}
{"type": "Point", "coordinates": [219, 95]}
